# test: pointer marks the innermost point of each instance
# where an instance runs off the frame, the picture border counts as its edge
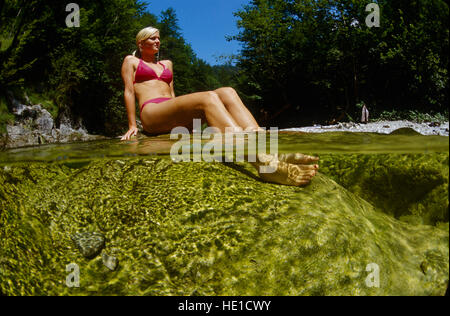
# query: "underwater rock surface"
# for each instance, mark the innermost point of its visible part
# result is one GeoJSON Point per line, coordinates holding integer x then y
{"type": "Point", "coordinates": [205, 229]}
{"type": "Point", "coordinates": [90, 244]}
{"type": "Point", "coordinates": [409, 187]}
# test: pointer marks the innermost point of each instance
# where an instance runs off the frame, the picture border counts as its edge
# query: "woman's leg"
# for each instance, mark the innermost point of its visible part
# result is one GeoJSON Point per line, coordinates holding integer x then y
{"type": "Point", "coordinates": [236, 108]}
{"type": "Point", "coordinates": [180, 111]}
{"type": "Point", "coordinates": [291, 169]}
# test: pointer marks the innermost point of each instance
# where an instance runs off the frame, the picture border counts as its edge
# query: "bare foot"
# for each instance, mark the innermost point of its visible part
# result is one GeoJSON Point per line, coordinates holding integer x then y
{"type": "Point", "coordinates": [298, 159]}
{"type": "Point", "coordinates": [297, 173]}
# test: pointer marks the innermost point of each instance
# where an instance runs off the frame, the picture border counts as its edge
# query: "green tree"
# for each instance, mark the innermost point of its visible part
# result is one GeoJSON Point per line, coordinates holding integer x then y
{"type": "Point", "coordinates": [191, 74]}
{"type": "Point", "coordinates": [78, 68]}
{"type": "Point", "coordinates": [315, 60]}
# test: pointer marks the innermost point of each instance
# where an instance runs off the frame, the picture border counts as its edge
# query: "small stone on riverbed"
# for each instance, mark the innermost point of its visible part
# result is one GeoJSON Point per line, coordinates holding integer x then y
{"type": "Point", "coordinates": [109, 261]}
{"type": "Point", "coordinates": [90, 244]}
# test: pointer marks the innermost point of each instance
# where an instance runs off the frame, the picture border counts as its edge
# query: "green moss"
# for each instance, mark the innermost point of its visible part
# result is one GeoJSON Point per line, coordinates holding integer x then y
{"type": "Point", "coordinates": [205, 229]}
{"type": "Point", "coordinates": [45, 101]}
{"type": "Point", "coordinates": [6, 117]}
{"type": "Point", "coordinates": [412, 188]}
{"type": "Point", "coordinates": [412, 115]}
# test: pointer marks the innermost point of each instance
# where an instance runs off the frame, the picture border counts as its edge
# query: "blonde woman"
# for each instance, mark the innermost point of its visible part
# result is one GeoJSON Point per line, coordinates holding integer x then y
{"type": "Point", "coordinates": [151, 81]}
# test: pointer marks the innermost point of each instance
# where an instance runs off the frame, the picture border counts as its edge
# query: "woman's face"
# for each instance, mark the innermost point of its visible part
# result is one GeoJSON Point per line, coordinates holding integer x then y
{"type": "Point", "coordinates": [151, 44]}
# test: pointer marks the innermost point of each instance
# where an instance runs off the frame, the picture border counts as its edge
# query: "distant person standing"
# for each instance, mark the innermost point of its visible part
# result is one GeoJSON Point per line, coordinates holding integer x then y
{"type": "Point", "coordinates": [364, 114]}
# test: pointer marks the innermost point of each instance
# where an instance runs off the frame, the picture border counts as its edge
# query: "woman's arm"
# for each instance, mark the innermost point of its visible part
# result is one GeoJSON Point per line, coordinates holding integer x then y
{"type": "Point", "coordinates": [170, 65]}
{"type": "Point", "coordinates": [129, 97]}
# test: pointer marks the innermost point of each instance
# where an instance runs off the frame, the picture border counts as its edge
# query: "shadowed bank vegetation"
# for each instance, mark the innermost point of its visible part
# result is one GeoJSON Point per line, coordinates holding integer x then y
{"type": "Point", "coordinates": [78, 68]}
{"type": "Point", "coordinates": [309, 61]}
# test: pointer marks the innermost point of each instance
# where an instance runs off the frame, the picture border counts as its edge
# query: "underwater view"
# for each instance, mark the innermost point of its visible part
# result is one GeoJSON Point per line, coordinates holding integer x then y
{"type": "Point", "coordinates": [216, 155]}
{"type": "Point", "coordinates": [122, 218]}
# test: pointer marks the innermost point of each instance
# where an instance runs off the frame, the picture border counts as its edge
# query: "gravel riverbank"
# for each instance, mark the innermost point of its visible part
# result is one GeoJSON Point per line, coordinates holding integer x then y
{"type": "Point", "coordinates": [382, 127]}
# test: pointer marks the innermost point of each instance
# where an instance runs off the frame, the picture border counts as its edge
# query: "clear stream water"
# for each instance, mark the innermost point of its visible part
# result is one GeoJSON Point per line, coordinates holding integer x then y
{"type": "Point", "coordinates": [216, 229]}
{"type": "Point", "coordinates": [325, 143]}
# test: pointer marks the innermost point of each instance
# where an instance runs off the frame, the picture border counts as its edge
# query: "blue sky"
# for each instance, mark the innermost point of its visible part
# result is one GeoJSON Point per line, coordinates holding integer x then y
{"type": "Point", "coordinates": [204, 24]}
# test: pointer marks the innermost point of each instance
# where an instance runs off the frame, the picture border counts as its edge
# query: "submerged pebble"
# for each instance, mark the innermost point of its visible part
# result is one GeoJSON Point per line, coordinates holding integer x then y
{"type": "Point", "coordinates": [109, 261]}
{"type": "Point", "coordinates": [90, 244]}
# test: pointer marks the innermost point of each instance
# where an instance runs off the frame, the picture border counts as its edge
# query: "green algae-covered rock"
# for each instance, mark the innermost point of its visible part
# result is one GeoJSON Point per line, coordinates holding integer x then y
{"type": "Point", "coordinates": [90, 244]}
{"type": "Point", "coordinates": [206, 229]}
{"type": "Point", "coordinates": [409, 187]}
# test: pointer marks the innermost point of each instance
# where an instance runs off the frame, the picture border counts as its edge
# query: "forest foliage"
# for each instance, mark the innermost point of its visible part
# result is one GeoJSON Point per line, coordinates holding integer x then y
{"type": "Point", "coordinates": [315, 60]}
{"type": "Point", "coordinates": [78, 68]}
{"type": "Point", "coordinates": [302, 61]}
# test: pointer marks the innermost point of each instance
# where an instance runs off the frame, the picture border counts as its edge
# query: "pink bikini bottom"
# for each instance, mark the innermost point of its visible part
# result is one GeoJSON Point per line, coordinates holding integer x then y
{"type": "Point", "coordinates": [157, 100]}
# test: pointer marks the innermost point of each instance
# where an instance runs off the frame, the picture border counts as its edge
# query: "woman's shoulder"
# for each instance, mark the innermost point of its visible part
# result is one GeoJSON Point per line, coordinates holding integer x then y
{"type": "Point", "coordinates": [167, 62]}
{"type": "Point", "coordinates": [130, 59]}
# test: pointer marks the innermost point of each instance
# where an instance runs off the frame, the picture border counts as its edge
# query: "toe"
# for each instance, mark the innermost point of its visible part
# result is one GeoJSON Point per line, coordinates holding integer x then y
{"type": "Point", "coordinates": [303, 182]}
{"type": "Point", "coordinates": [297, 158]}
{"type": "Point", "coordinates": [313, 158]}
{"type": "Point", "coordinates": [305, 168]}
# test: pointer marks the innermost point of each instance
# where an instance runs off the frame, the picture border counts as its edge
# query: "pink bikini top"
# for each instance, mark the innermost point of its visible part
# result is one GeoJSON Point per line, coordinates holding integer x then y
{"type": "Point", "coordinates": [145, 73]}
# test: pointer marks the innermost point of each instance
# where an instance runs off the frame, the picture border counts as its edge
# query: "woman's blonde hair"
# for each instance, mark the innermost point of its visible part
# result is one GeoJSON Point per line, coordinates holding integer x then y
{"type": "Point", "coordinates": [143, 34]}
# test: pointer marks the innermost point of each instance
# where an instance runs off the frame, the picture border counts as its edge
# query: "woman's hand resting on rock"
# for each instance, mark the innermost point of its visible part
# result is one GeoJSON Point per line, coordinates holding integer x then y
{"type": "Point", "coordinates": [131, 132]}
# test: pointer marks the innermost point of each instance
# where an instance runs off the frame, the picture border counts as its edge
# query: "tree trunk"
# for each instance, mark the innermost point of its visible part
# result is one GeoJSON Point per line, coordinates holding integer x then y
{"type": "Point", "coordinates": [355, 81]}
{"type": "Point", "coordinates": [2, 4]}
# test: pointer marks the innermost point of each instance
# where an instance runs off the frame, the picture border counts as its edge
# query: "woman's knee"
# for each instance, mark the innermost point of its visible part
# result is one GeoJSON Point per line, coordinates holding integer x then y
{"type": "Point", "coordinates": [211, 99]}
{"type": "Point", "coordinates": [226, 92]}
